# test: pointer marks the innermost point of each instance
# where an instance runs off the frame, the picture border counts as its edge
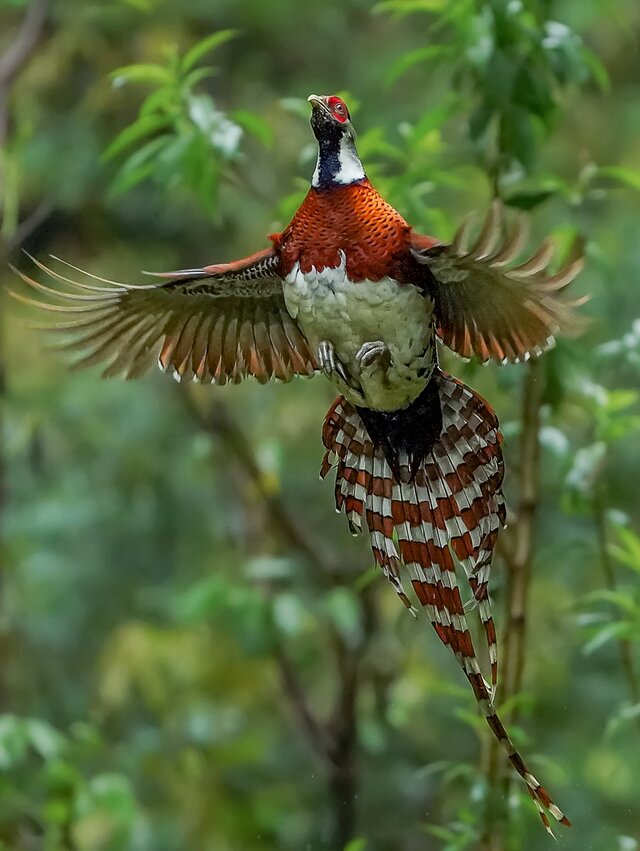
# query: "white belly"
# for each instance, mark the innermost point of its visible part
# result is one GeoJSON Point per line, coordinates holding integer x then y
{"type": "Point", "coordinates": [329, 307]}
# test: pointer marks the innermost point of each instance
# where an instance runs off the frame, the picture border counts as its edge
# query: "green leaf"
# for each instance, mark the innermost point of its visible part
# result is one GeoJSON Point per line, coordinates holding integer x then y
{"type": "Point", "coordinates": [356, 844]}
{"type": "Point", "coordinates": [401, 8]}
{"type": "Point", "coordinates": [620, 599]}
{"type": "Point", "coordinates": [196, 76]}
{"type": "Point", "coordinates": [137, 167]}
{"type": "Point", "coordinates": [479, 120]}
{"type": "Point", "coordinates": [597, 69]}
{"type": "Point", "coordinates": [628, 550]}
{"type": "Point", "coordinates": [44, 738]}
{"type": "Point", "coordinates": [413, 58]}
{"type": "Point", "coordinates": [161, 100]}
{"type": "Point", "coordinates": [499, 80]}
{"type": "Point", "coordinates": [529, 200]}
{"type": "Point", "coordinates": [193, 56]}
{"type": "Point", "coordinates": [143, 73]}
{"type": "Point", "coordinates": [516, 135]}
{"type": "Point", "coordinates": [143, 126]}
{"type": "Point", "coordinates": [627, 176]}
{"type": "Point", "coordinates": [608, 633]}
{"type": "Point", "coordinates": [255, 125]}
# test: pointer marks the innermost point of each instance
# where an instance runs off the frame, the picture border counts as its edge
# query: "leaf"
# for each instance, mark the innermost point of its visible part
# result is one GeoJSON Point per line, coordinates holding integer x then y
{"type": "Point", "coordinates": [193, 56]}
{"type": "Point", "coordinates": [342, 608]}
{"type": "Point", "coordinates": [499, 80]}
{"type": "Point", "coordinates": [44, 738]}
{"type": "Point", "coordinates": [288, 613]}
{"type": "Point", "coordinates": [255, 125]}
{"type": "Point", "coordinates": [597, 69]}
{"type": "Point", "coordinates": [142, 73]}
{"type": "Point", "coordinates": [199, 74]}
{"type": "Point", "coordinates": [296, 106]}
{"type": "Point", "coordinates": [479, 120]}
{"type": "Point", "coordinates": [402, 8]}
{"type": "Point", "coordinates": [143, 126]}
{"type": "Point", "coordinates": [137, 167]}
{"type": "Point", "coordinates": [620, 630]}
{"type": "Point", "coordinates": [620, 599]}
{"type": "Point", "coordinates": [356, 844]}
{"type": "Point", "coordinates": [628, 550]}
{"type": "Point", "coordinates": [516, 135]}
{"type": "Point", "coordinates": [162, 99]}
{"type": "Point", "coordinates": [413, 58]}
{"type": "Point", "coordinates": [529, 200]}
{"type": "Point", "coordinates": [627, 176]}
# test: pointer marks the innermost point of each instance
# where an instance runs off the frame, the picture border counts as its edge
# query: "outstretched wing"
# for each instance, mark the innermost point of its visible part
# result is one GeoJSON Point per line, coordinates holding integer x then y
{"type": "Point", "coordinates": [486, 306]}
{"type": "Point", "coordinates": [217, 324]}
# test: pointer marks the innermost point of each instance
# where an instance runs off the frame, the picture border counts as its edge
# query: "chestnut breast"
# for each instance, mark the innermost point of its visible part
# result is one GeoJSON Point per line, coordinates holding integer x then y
{"type": "Point", "coordinates": [354, 219]}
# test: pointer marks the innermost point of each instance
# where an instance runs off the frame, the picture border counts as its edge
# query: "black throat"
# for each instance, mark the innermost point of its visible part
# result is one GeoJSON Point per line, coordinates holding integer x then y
{"type": "Point", "coordinates": [328, 160]}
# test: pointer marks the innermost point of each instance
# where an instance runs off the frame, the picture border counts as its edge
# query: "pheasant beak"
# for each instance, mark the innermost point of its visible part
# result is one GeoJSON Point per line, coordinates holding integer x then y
{"type": "Point", "coordinates": [318, 102]}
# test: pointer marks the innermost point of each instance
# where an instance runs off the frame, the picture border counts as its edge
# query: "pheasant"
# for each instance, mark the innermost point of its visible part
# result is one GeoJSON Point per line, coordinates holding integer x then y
{"type": "Point", "coordinates": [351, 291]}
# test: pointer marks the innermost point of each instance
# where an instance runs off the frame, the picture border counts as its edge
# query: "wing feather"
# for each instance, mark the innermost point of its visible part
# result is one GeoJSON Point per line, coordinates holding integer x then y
{"type": "Point", "coordinates": [219, 323]}
{"type": "Point", "coordinates": [489, 307]}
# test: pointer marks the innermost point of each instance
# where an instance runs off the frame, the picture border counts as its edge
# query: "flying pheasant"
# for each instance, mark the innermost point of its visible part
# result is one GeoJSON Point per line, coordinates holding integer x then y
{"type": "Point", "coordinates": [350, 290]}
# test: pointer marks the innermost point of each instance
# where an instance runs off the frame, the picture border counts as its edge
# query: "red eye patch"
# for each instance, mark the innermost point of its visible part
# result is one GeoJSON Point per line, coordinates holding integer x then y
{"type": "Point", "coordinates": [338, 109]}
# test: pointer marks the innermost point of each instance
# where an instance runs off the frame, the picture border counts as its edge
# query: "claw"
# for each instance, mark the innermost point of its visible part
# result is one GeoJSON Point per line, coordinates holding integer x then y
{"type": "Point", "coordinates": [329, 363]}
{"type": "Point", "coordinates": [372, 351]}
{"type": "Point", "coordinates": [326, 358]}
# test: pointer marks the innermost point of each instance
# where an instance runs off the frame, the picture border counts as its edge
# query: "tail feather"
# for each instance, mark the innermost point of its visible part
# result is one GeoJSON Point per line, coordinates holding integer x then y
{"type": "Point", "coordinates": [432, 517]}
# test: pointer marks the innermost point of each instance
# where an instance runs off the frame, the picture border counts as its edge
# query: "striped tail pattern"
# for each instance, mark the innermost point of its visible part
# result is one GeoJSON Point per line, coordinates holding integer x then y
{"type": "Point", "coordinates": [430, 511]}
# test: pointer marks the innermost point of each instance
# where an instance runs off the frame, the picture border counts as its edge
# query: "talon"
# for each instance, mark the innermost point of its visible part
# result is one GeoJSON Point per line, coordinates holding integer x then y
{"type": "Point", "coordinates": [340, 371]}
{"type": "Point", "coordinates": [372, 351]}
{"type": "Point", "coordinates": [326, 358]}
{"type": "Point", "coordinates": [329, 363]}
{"type": "Point", "coordinates": [334, 368]}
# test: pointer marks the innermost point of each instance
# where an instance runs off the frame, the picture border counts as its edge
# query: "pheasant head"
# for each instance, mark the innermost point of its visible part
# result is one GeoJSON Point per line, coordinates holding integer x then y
{"type": "Point", "coordinates": [338, 160]}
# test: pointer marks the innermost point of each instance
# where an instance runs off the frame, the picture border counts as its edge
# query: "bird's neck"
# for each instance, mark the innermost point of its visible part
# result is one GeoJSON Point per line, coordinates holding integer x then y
{"type": "Point", "coordinates": [338, 163]}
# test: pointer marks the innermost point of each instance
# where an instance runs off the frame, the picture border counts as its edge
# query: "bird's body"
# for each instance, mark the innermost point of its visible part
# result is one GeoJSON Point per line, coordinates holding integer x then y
{"type": "Point", "coordinates": [347, 283]}
{"type": "Point", "coordinates": [353, 317]}
{"type": "Point", "coordinates": [350, 290]}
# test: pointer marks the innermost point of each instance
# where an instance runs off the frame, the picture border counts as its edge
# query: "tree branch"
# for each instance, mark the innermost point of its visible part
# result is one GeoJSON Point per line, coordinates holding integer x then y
{"type": "Point", "coordinates": [17, 56]}
{"type": "Point", "coordinates": [518, 557]}
{"type": "Point", "coordinates": [24, 43]}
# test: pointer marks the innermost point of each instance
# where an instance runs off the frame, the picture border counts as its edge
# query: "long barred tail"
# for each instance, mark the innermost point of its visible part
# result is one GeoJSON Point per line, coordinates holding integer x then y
{"type": "Point", "coordinates": [444, 510]}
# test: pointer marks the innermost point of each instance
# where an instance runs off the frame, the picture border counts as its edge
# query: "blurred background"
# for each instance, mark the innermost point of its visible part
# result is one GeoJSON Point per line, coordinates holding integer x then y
{"type": "Point", "coordinates": [194, 651]}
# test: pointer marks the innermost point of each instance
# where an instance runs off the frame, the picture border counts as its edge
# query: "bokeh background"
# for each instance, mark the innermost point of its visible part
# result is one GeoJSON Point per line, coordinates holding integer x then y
{"type": "Point", "coordinates": [195, 654]}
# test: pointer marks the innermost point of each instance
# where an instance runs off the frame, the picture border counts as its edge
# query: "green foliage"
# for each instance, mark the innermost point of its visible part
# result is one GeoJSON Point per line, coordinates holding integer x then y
{"type": "Point", "coordinates": [49, 794]}
{"type": "Point", "coordinates": [181, 139]}
{"type": "Point", "coordinates": [509, 61]}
